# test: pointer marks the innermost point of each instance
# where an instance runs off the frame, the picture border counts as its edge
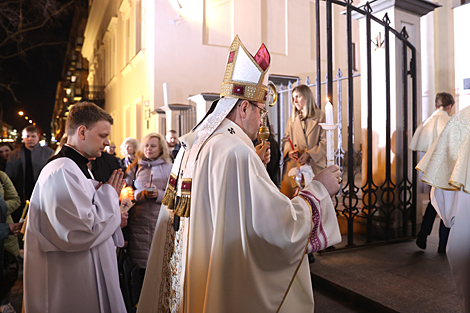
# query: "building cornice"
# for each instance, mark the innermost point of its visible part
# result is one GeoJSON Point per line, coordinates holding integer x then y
{"type": "Point", "coordinates": [111, 29]}
{"type": "Point", "coordinates": [416, 7]}
{"type": "Point", "coordinates": [125, 6]}
{"type": "Point", "coordinates": [93, 25]}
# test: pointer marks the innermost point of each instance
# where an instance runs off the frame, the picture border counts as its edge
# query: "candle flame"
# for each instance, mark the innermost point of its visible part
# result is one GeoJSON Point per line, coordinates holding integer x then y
{"type": "Point", "coordinates": [327, 99]}
{"type": "Point", "coordinates": [127, 192]}
{"type": "Point", "coordinates": [23, 215]}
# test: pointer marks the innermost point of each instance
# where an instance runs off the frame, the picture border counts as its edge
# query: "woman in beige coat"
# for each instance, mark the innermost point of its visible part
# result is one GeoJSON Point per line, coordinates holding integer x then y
{"type": "Point", "coordinates": [307, 136]}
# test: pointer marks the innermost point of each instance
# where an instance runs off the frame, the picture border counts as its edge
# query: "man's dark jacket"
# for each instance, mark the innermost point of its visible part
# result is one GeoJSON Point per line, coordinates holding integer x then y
{"type": "Point", "coordinates": [16, 165]}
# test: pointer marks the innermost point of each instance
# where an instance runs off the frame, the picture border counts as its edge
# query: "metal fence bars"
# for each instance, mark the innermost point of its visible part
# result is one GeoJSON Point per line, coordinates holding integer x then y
{"type": "Point", "coordinates": [389, 202]}
{"type": "Point", "coordinates": [386, 209]}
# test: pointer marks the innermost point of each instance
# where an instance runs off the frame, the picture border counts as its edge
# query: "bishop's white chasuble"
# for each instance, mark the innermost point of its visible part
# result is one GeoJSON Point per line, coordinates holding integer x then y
{"type": "Point", "coordinates": [243, 247]}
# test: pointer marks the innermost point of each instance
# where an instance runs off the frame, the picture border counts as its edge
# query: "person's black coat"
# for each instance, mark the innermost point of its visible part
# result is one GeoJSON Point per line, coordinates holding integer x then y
{"type": "Point", "coordinates": [103, 167]}
{"type": "Point", "coordinates": [175, 151]}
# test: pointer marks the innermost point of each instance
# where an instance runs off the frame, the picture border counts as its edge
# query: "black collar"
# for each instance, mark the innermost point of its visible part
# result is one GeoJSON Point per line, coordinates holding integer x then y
{"type": "Point", "coordinates": [74, 155]}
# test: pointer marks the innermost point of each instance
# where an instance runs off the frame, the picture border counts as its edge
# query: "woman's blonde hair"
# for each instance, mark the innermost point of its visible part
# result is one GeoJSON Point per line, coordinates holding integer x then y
{"type": "Point", "coordinates": [134, 142]}
{"type": "Point", "coordinates": [164, 154]}
{"type": "Point", "coordinates": [311, 106]}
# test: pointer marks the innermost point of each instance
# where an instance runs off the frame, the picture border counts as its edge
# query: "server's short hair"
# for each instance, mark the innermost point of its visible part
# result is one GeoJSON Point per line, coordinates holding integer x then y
{"type": "Point", "coordinates": [87, 114]}
{"type": "Point", "coordinates": [444, 99]}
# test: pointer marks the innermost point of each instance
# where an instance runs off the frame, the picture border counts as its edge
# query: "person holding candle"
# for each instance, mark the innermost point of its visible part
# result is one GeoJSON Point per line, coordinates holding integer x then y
{"type": "Point", "coordinates": [148, 175]}
{"type": "Point", "coordinates": [307, 137]}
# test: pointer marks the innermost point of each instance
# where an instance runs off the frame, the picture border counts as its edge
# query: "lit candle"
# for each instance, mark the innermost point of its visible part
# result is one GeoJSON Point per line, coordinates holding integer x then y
{"type": "Point", "coordinates": [25, 210]}
{"type": "Point", "coordinates": [329, 113]}
{"type": "Point", "coordinates": [330, 154]}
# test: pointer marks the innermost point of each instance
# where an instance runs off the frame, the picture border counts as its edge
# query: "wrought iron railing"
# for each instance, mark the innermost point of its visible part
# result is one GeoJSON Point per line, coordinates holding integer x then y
{"type": "Point", "coordinates": [377, 204]}
{"type": "Point", "coordinates": [186, 120]}
{"type": "Point", "coordinates": [93, 93]}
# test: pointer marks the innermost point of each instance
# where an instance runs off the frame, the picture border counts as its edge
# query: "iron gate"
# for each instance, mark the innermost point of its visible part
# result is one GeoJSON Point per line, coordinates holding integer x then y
{"type": "Point", "coordinates": [377, 204]}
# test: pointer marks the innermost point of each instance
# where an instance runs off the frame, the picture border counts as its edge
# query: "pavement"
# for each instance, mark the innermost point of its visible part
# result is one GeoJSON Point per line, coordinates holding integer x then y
{"type": "Point", "coordinates": [398, 277]}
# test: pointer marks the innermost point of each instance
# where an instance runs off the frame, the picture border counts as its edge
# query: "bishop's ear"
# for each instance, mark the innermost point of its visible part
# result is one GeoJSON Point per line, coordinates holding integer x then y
{"type": "Point", "coordinates": [244, 106]}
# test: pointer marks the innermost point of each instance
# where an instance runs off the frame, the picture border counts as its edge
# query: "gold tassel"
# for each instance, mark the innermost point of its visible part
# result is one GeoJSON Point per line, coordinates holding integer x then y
{"type": "Point", "coordinates": [184, 206]}
{"type": "Point", "coordinates": [169, 197]}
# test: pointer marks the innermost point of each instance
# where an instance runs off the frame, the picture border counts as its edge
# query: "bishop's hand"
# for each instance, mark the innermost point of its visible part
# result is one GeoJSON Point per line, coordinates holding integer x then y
{"type": "Point", "coordinates": [264, 152]}
{"type": "Point", "coordinates": [329, 177]}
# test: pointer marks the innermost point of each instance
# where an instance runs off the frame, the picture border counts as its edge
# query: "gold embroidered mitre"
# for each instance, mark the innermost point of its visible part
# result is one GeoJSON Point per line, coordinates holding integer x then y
{"type": "Point", "coordinates": [244, 74]}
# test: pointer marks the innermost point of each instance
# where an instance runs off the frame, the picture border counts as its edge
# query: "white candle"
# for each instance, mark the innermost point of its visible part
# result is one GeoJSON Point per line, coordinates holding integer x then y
{"type": "Point", "coordinates": [329, 113]}
{"type": "Point", "coordinates": [166, 94]}
{"type": "Point", "coordinates": [330, 155]}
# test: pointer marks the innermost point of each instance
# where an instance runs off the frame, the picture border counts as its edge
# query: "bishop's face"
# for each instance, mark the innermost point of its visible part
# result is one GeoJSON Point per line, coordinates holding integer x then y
{"type": "Point", "coordinates": [96, 139]}
{"type": "Point", "coordinates": [252, 122]}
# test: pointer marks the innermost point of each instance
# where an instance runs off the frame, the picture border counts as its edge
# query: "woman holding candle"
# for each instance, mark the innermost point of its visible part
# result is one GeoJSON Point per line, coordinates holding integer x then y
{"type": "Point", "coordinates": [147, 175]}
{"type": "Point", "coordinates": [307, 137]}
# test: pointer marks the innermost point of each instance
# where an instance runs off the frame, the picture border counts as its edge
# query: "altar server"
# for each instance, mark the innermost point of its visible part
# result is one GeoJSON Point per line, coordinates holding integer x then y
{"type": "Point", "coordinates": [424, 136]}
{"type": "Point", "coordinates": [446, 167]}
{"type": "Point", "coordinates": [73, 226]}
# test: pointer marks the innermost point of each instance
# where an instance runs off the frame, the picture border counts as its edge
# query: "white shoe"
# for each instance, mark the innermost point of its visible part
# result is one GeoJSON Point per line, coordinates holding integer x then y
{"type": "Point", "coordinates": [8, 308]}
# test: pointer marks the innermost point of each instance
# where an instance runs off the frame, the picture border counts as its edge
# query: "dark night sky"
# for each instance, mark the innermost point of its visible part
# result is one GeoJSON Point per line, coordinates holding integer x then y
{"type": "Point", "coordinates": [37, 76]}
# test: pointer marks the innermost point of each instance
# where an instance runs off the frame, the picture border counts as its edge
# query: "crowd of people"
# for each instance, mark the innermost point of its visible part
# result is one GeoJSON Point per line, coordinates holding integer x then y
{"type": "Point", "coordinates": [145, 167]}
{"type": "Point", "coordinates": [203, 220]}
{"type": "Point", "coordinates": [77, 218]}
